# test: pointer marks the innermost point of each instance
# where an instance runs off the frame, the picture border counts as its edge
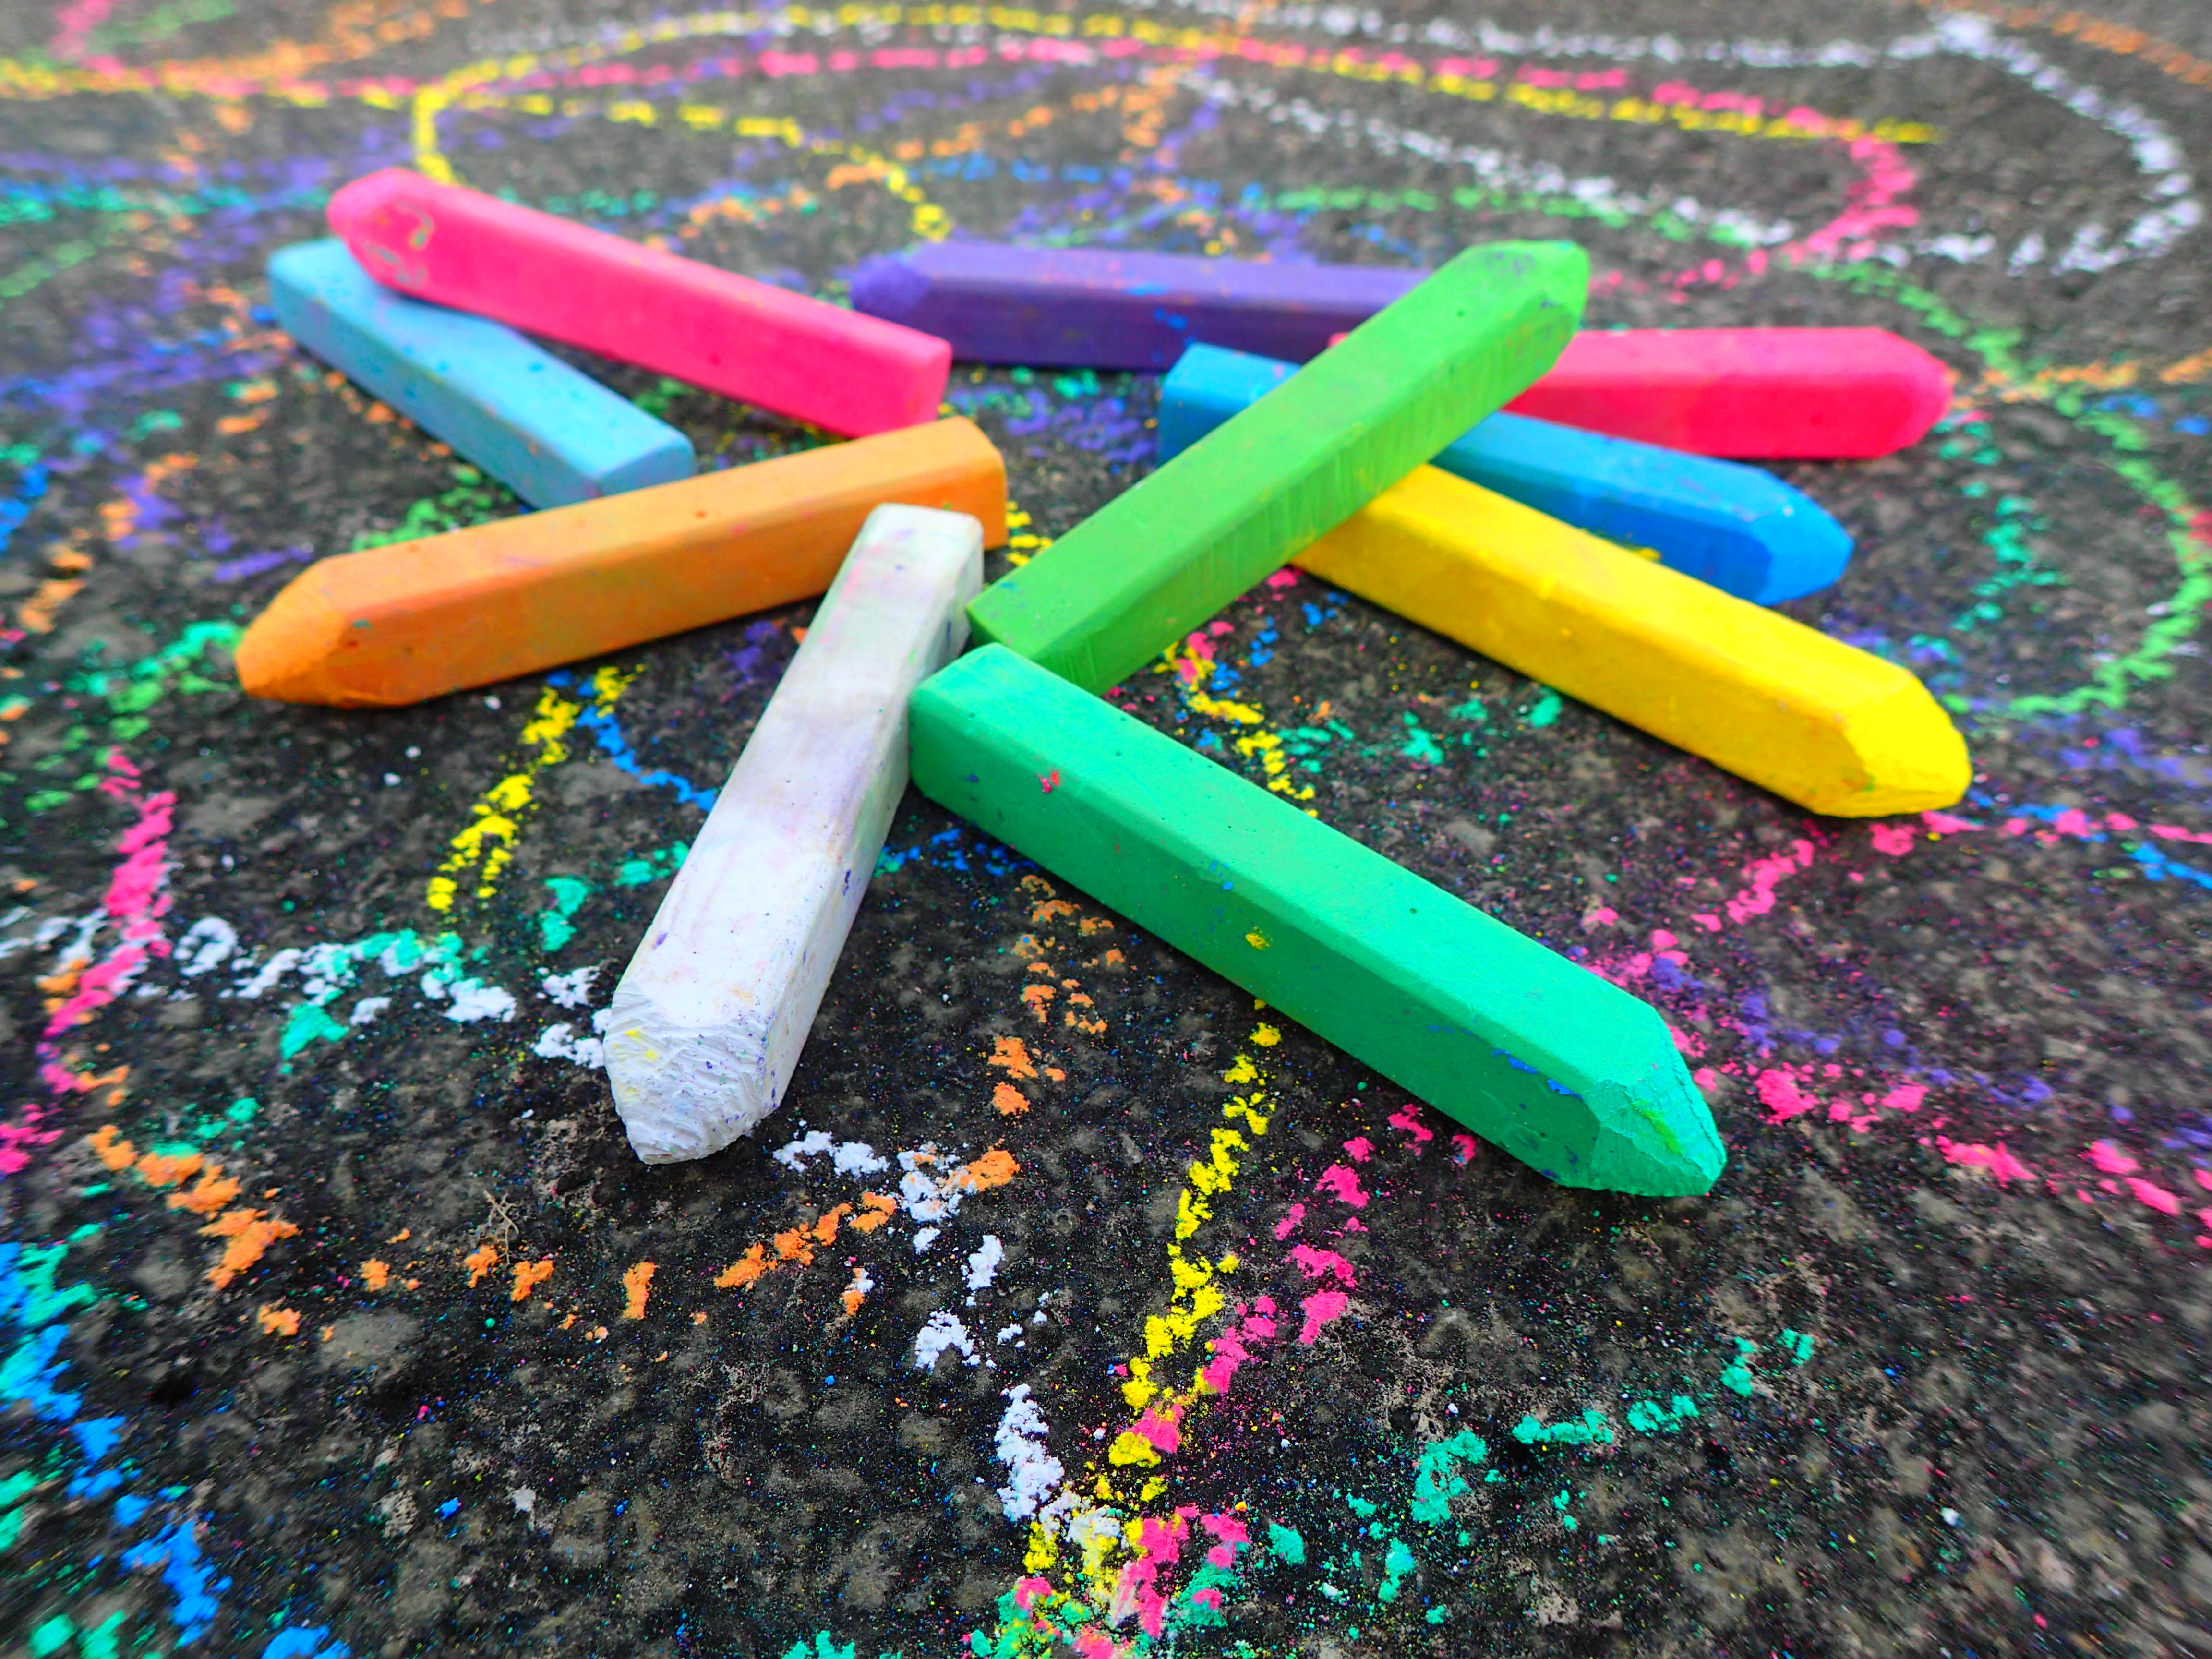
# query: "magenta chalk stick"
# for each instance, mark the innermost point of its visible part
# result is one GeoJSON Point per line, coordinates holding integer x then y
{"type": "Point", "coordinates": [1747, 393]}
{"type": "Point", "coordinates": [761, 345]}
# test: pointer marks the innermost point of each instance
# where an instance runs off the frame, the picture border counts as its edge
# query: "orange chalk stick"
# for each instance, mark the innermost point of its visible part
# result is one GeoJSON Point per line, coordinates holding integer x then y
{"type": "Point", "coordinates": [416, 620]}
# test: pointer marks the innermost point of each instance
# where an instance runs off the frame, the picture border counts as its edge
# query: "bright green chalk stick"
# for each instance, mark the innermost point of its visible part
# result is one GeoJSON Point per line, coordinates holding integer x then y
{"type": "Point", "coordinates": [1158, 560]}
{"type": "Point", "coordinates": [1568, 1073]}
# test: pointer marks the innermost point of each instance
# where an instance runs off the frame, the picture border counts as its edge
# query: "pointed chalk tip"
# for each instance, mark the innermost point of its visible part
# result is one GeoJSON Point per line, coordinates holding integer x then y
{"type": "Point", "coordinates": [1655, 1139]}
{"type": "Point", "coordinates": [1911, 757]}
{"type": "Point", "coordinates": [683, 1094]}
{"type": "Point", "coordinates": [1677, 1165]}
{"type": "Point", "coordinates": [289, 653]}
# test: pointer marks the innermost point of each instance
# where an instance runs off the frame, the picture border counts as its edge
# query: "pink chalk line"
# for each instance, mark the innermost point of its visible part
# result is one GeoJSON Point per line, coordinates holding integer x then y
{"type": "Point", "coordinates": [137, 898]}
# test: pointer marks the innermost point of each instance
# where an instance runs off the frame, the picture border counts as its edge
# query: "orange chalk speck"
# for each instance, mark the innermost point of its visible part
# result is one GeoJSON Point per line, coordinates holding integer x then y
{"type": "Point", "coordinates": [251, 1232]}
{"type": "Point", "coordinates": [160, 1170]}
{"type": "Point", "coordinates": [208, 1194]}
{"type": "Point", "coordinates": [1036, 996]}
{"type": "Point", "coordinates": [528, 1276]}
{"type": "Point", "coordinates": [280, 1322]}
{"type": "Point", "coordinates": [791, 1246]}
{"type": "Point", "coordinates": [401, 1237]}
{"type": "Point", "coordinates": [375, 1275]}
{"type": "Point", "coordinates": [994, 1168]}
{"type": "Point", "coordinates": [480, 1261]}
{"type": "Point", "coordinates": [596, 1334]}
{"type": "Point", "coordinates": [742, 1272]}
{"type": "Point", "coordinates": [876, 1208]}
{"type": "Point", "coordinates": [567, 1322]}
{"type": "Point", "coordinates": [1012, 1055]}
{"type": "Point", "coordinates": [117, 1155]}
{"type": "Point", "coordinates": [1010, 1100]}
{"type": "Point", "coordinates": [826, 1228]}
{"type": "Point", "coordinates": [637, 1285]}
{"type": "Point", "coordinates": [698, 1319]}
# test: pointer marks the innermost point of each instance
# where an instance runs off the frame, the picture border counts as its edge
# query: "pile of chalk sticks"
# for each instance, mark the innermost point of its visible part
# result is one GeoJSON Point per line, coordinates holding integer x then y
{"type": "Point", "coordinates": [1444, 444]}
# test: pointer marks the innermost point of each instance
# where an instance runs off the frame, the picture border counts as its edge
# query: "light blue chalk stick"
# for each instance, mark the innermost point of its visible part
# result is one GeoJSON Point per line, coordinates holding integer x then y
{"type": "Point", "coordinates": [1742, 530]}
{"type": "Point", "coordinates": [549, 434]}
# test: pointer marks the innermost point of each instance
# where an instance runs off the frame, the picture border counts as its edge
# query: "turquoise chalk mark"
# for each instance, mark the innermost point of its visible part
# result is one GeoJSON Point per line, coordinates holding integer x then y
{"type": "Point", "coordinates": [554, 928]}
{"type": "Point", "coordinates": [1418, 745]}
{"type": "Point", "coordinates": [1649, 1417]}
{"type": "Point", "coordinates": [47, 1637]}
{"type": "Point", "coordinates": [1200, 1604]}
{"type": "Point", "coordinates": [309, 1022]}
{"type": "Point", "coordinates": [1560, 1503]}
{"type": "Point", "coordinates": [1544, 710]}
{"type": "Point", "coordinates": [1396, 1563]}
{"type": "Point", "coordinates": [1361, 1507]}
{"type": "Point", "coordinates": [1798, 1346]}
{"type": "Point", "coordinates": [1287, 1544]}
{"type": "Point", "coordinates": [1436, 1478]}
{"type": "Point", "coordinates": [101, 1642]}
{"type": "Point", "coordinates": [825, 1646]}
{"type": "Point", "coordinates": [28, 1295]}
{"type": "Point", "coordinates": [1472, 709]}
{"type": "Point", "coordinates": [1592, 1429]}
{"type": "Point", "coordinates": [1737, 1375]}
{"type": "Point", "coordinates": [656, 865]}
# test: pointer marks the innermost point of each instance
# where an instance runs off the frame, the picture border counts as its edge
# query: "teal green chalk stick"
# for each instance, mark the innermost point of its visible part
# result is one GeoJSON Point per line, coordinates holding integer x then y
{"type": "Point", "coordinates": [1571, 1075]}
{"type": "Point", "coordinates": [1158, 560]}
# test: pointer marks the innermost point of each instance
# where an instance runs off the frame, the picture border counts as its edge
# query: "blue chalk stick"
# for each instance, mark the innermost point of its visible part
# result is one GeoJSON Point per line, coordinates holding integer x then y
{"type": "Point", "coordinates": [1742, 530]}
{"type": "Point", "coordinates": [551, 434]}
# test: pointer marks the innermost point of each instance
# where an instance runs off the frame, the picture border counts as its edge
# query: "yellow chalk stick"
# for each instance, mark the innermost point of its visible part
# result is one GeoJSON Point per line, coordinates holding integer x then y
{"type": "Point", "coordinates": [1819, 722]}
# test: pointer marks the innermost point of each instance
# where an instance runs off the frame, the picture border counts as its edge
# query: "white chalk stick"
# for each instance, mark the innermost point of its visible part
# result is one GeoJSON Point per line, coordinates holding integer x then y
{"type": "Point", "coordinates": [709, 1018]}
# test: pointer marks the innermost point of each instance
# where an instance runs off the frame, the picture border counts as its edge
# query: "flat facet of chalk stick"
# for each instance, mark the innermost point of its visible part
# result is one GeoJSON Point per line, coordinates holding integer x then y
{"type": "Point", "coordinates": [1567, 1073]}
{"type": "Point", "coordinates": [1162, 557]}
{"type": "Point", "coordinates": [414, 620]}
{"type": "Point", "coordinates": [750, 340]}
{"type": "Point", "coordinates": [709, 1018]}
{"type": "Point", "coordinates": [549, 434]}
{"type": "Point", "coordinates": [1742, 530]}
{"type": "Point", "coordinates": [1833, 728]}
{"type": "Point", "coordinates": [1117, 307]}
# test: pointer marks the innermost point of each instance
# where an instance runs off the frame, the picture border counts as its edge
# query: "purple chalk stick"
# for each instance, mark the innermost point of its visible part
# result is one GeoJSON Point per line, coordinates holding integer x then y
{"type": "Point", "coordinates": [1106, 308]}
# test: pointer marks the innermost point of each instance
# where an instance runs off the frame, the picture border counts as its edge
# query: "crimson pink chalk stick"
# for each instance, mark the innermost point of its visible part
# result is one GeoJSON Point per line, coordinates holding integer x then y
{"type": "Point", "coordinates": [1751, 394]}
{"type": "Point", "coordinates": [1748, 393]}
{"type": "Point", "coordinates": [785, 352]}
